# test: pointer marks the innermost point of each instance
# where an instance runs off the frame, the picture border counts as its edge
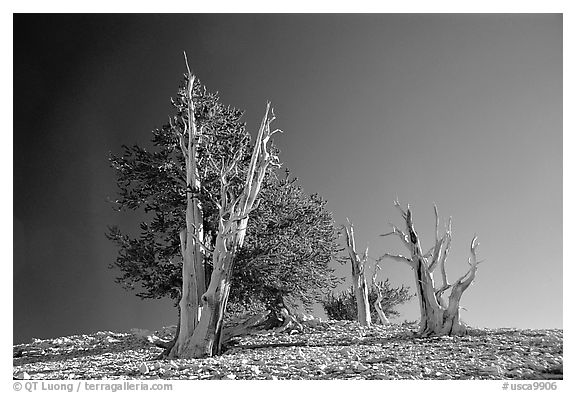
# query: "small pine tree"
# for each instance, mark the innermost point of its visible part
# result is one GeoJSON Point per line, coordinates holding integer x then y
{"type": "Point", "coordinates": [342, 306]}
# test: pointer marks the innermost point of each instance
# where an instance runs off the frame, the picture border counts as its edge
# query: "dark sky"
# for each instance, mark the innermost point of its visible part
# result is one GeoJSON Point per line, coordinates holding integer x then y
{"type": "Point", "coordinates": [461, 110]}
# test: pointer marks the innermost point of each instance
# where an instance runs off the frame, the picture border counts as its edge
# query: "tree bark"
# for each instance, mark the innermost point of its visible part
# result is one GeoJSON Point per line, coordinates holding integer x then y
{"type": "Point", "coordinates": [436, 316]}
{"type": "Point", "coordinates": [358, 277]}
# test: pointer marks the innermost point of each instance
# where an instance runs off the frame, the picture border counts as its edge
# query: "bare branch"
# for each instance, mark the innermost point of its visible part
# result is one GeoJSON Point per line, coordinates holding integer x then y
{"type": "Point", "coordinates": [212, 198]}
{"type": "Point", "coordinates": [350, 241]}
{"type": "Point", "coordinates": [436, 252]}
{"type": "Point", "coordinates": [376, 268]}
{"type": "Point", "coordinates": [365, 255]}
{"type": "Point", "coordinates": [437, 221]}
{"type": "Point", "coordinates": [445, 252]}
{"type": "Point", "coordinates": [398, 258]}
{"type": "Point", "coordinates": [261, 158]}
{"type": "Point", "coordinates": [399, 207]}
{"type": "Point", "coordinates": [256, 151]}
{"type": "Point", "coordinates": [187, 66]}
{"type": "Point", "coordinates": [400, 233]}
{"type": "Point", "coordinates": [465, 281]}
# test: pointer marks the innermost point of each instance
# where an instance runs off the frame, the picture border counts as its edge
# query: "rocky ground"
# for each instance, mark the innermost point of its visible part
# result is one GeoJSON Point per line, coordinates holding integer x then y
{"type": "Point", "coordinates": [328, 350]}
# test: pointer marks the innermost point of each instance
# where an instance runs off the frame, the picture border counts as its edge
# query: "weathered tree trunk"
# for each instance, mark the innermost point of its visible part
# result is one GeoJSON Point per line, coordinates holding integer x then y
{"type": "Point", "coordinates": [233, 219]}
{"type": "Point", "coordinates": [255, 323]}
{"type": "Point", "coordinates": [358, 277]}
{"type": "Point", "coordinates": [192, 237]}
{"type": "Point", "coordinates": [378, 307]}
{"type": "Point", "coordinates": [205, 340]}
{"type": "Point", "coordinates": [436, 316]}
{"type": "Point", "coordinates": [378, 302]}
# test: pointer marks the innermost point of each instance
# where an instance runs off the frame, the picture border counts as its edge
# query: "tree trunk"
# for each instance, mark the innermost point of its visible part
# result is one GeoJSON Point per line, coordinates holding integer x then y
{"type": "Point", "coordinates": [206, 338]}
{"type": "Point", "coordinates": [436, 317]}
{"type": "Point", "coordinates": [253, 324]}
{"type": "Point", "coordinates": [192, 237]}
{"type": "Point", "coordinates": [378, 306]}
{"type": "Point", "coordinates": [361, 292]}
{"type": "Point", "coordinates": [358, 277]}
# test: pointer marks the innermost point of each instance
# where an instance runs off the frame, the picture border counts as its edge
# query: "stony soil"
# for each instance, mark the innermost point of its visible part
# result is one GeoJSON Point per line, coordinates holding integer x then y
{"type": "Point", "coordinates": [328, 350]}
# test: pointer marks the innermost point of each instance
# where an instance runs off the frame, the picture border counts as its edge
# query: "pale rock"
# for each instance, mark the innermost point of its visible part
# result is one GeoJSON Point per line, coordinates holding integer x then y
{"type": "Point", "coordinates": [22, 375]}
{"type": "Point", "coordinates": [144, 368]}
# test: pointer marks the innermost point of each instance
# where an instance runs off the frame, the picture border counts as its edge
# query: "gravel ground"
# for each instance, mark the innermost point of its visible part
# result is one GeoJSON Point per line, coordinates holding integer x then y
{"type": "Point", "coordinates": [329, 350]}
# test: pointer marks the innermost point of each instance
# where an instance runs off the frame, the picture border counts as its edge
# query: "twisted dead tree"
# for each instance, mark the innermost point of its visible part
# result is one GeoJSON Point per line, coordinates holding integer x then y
{"type": "Point", "coordinates": [380, 292]}
{"type": "Point", "coordinates": [234, 212]}
{"type": "Point", "coordinates": [438, 316]}
{"type": "Point", "coordinates": [358, 278]}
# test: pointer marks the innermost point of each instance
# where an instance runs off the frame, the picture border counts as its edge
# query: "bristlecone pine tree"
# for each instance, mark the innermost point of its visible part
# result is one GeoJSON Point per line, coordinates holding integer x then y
{"type": "Point", "coordinates": [380, 290]}
{"type": "Point", "coordinates": [175, 185]}
{"type": "Point", "coordinates": [163, 182]}
{"type": "Point", "coordinates": [290, 238]}
{"type": "Point", "coordinates": [358, 278]}
{"type": "Point", "coordinates": [234, 210]}
{"type": "Point", "coordinates": [437, 316]}
{"type": "Point", "coordinates": [342, 306]}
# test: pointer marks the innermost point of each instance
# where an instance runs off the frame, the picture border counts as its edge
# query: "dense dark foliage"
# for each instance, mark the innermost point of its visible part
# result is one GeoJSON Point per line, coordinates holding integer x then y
{"type": "Point", "coordinates": [290, 238]}
{"type": "Point", "coordinates": [155, 182]}
{"type": "Point", "coordinates": [342, 306]}
{"type": "Point", "coordinates": [290, 244]}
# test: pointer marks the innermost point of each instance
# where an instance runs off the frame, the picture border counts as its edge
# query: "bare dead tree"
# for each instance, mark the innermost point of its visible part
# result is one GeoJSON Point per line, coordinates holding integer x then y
{"type": "Point", "coordinates": [378, 302]}
{"type": "Point", "coordinates": [438, 316]}
{"type": "Point", "coordinates": [358, 278]}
